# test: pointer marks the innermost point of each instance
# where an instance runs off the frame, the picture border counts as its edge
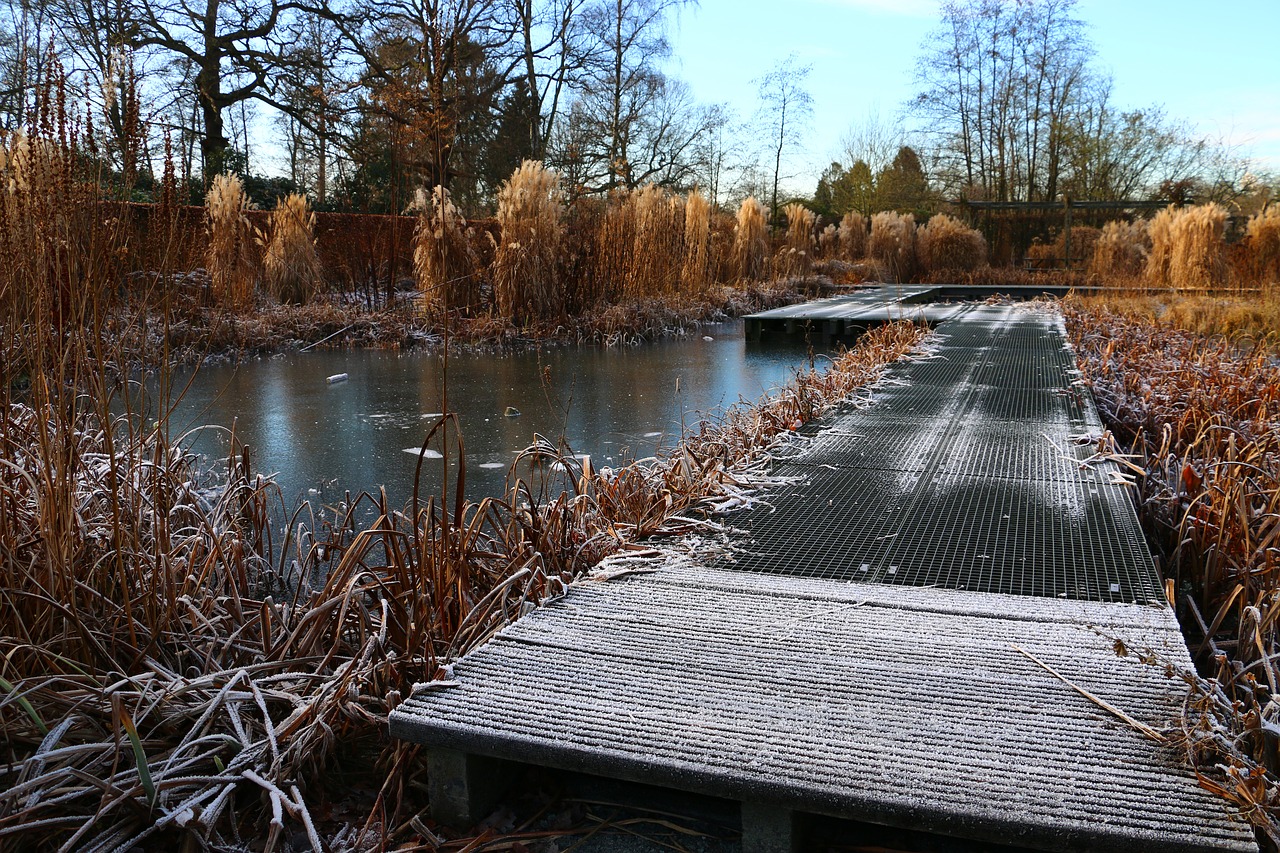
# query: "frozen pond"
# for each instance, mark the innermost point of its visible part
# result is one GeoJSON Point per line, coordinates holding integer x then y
{"type": "Point", "coordinates": [613, 404]}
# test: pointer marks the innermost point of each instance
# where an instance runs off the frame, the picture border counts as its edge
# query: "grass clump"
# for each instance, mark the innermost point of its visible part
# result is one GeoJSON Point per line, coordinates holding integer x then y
{"type": "Point", "coordinates": [445, 266]}
{"type": "Point", "coordinates": [751, 242]}
{"type": "Point", "coordinates": [853, 236]}
{"type": "Point", "coordinates": [695, 271]}
{"type": "Point", "coordinates": [526, 286]}
{"type": "Point", "coordinates": [290, 265]}
{"type": "Point", "coordinates": [945, 243]}
{"type": "Point", "coordinates": [795, 258]}
{"type": "Point", "coordinates": [893, 243]}
{"type": "Point", "coordinates": [1263, 239]}
{"type": "Point", "coordinates": [1197, 260]}
{"type": "Point", "coordinates": [1120, 252]}
{"type": "Point", "coordinates": [1160, 255]}
{"type": "Point", "coordinates": [655, 264]}
{"type": "Point", "coordinates": [230, 258]}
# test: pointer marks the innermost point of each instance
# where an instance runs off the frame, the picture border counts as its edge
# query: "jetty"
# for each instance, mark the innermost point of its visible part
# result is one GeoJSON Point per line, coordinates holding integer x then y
{"type": "Point", "coordinates": [944, 621]}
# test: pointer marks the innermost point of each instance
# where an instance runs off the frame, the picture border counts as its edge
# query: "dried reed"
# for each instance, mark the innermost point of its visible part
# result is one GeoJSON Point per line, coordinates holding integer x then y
{"type": "Point", "coordinates": [530, 218]}
{"type": "Point", "coordinates": [1120, 252]}
{"type": "Point", "coordinates": [796, 256]}
{"type": "Point", "coordinates": [1198, 257]}
{"type": "Point", "coordinates": [695, 273]}
{"type": "Point", "coordinates": [654, 267]}
{"type": "Point", "coordinates": [829, 243]}
{"type": "Point", "coordinates": [893, 243]}
{"type": "Point", "coordinates": [290, 265]}
{"type": "Point", "coordinates": [751, 242]}
{"type": "Point", "coordinates": [230, 257]}
{"type": "Point", "coordinates": [1160, 257]}
{"type": "Point", "coordinates": [1263, 239]}
{"type": "Point", "coordinates": [445, 265]}
{"type": "Point", "coordinates": [853, 236]}
{"type": "Point", "coordinates": [946, 243]}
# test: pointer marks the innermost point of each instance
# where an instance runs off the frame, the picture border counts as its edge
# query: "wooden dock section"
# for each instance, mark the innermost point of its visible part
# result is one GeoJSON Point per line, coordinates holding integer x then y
{"type": "Point", "coordinates": [844, 317]}
{"type": "Point", "coordinates": [876, 646]}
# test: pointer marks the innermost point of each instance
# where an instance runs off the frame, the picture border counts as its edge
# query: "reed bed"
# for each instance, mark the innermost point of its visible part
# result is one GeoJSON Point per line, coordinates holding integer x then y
{"type": "Point", "coordinates": [230, 259]}
{"type": "Point", "coordinates": [655, 263]}
{"type": "Point", "coordinates": [530, 220]}
{"type": "Point", "coordinates": [829, 243]}
{"type": "Point", "coordinates": [1197, 259]}
{"type": "Point", "coordinates": [290, 265]}
{"type": "Point", "coordinates": [853, 236]}
{"type": "Point", "coordinates": [751, 242]}
{"type": "Point", "coordinates": [1200, 414]}
{"type": "Point", "coordinates": [893, 243]}
{"type": "Point", "coordinates": [445, 265]}
{"type": "Point", "coordinates": [1263, 239]}
{"type": "Point", "coordinates": [946, 243]}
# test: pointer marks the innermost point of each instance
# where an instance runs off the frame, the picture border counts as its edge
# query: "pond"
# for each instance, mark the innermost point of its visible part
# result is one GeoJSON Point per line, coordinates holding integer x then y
{"type": "Point", "coordinates": [321, 438]}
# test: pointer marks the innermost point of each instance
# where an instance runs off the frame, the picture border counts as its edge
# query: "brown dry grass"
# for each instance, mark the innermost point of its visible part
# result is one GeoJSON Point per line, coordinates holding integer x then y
{"type": "Point", "coordinates": [231, 260]}
{"type": "Point", "coordinates": [1197, 260]}
{"type": "Point", "coordinates": [853, 236]}
{"type": "Point", "coordinates": [751, 242]}
{"type": "Point", "coordinates": [290, 265]}
{"type": "Point", "coordinates": [695, 272]}
{"type": "Point", "coordinates": [526, 286]}
{"type": "Point", "coordinates": [893, 243]}
{"type": "Point", "coordinates": [946, 243]}
{"type": "Point", "coordinates": [1120, 252]}
{"type": "Point", "coordinates": [796, 256]}
{"type": "Point", "coordinates": [655, 263]}
{"type": "Point", "coordinates": [1263, 241]}
{"type": "Point", "coordinates": [829, 243]}
{"type": "Point", "coordinates": [1160, 257]}
{"type": "Point", "coordinates": [445, 265]}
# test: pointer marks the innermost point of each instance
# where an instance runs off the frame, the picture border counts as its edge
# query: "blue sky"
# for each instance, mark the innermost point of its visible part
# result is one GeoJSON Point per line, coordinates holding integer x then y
{"type": "Point", "coordinates": [1216, 65]}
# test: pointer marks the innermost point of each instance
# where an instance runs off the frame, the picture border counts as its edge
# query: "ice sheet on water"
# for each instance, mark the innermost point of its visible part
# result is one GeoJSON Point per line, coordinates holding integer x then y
{"type": "Point", "coordinates": [428, 453]}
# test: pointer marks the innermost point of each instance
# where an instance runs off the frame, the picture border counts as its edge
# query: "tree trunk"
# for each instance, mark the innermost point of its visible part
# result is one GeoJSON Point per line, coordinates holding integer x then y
{"type": "Point", "coordinates": [213, 143]}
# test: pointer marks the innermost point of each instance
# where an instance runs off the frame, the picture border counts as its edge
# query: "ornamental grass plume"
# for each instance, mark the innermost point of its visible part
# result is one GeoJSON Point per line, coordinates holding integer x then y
{"type": "Point", "coordinates": [751, 242]}
{"type": "Point", "coordinates": [230, 256]}
{"type": "Point", "coordinates": [656, 260]}
{"type": "Point", "coordinates": [615, 242]}
{"type": "Point", "coordinates": [1121, 251]}
{"type": "Point", "coordinates": [1198, 259]}
{"type": "Point", "coordinates": [531, 223]}
{"type": "Point", "coordinates": [445, 266]}
{"type": "Point", "coordinates": [829, 243]}
{"type": "Point", "coordinates": [1160, 254]}
{"type": "Point", "coordinates": [853, 236]}
{"type": "Point", "coordinates": [946, 243]}
{"type": "Point", "coordinates": [893, 243]}
{"type": "Point", "coordinates": [1263, 242]}
{"type": "Point", "coordinates": [695, 271]}
{"type": "Point", "coordinates": [290, 265]}
{"type": "Point", "coordinates": [795, 258]}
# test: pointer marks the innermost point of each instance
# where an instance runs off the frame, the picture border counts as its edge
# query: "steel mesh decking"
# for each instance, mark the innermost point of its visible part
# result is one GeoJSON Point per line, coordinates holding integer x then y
{"type": "Point", "coordinates": [969, 480]}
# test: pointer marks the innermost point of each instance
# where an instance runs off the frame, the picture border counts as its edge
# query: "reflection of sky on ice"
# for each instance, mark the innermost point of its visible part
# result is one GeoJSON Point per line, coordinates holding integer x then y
{"type": "Point", "coordinates": [612, 405]}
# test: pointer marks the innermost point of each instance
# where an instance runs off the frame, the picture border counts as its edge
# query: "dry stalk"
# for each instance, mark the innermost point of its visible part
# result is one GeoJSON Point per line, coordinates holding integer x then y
{"type": "Point", "coordinates": [290, 265]}
{"type": "Point", "coordinates": [530, 218]}
{"type": "Point", "coordinates": [751, 242]}
{"type": "Point", "coordinates": [445, 265]}
{"type": "Point", "coordinates": [230, 258]}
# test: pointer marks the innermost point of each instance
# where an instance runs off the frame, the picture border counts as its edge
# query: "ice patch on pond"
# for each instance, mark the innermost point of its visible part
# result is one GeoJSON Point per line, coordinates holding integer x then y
{"type": "Point", "coordinates": [492, 465]}
{"type": "Point", "coordinates": [652, 434]}
{"type": "Point", "coordinates": [426, 454]}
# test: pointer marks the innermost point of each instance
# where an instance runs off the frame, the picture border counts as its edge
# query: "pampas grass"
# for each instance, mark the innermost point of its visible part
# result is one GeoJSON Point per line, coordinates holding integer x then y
{"type": "Point", "coordinates": [893, 242]}
{"type": "Point", "coordinates": [853, 236]}
{"type": "Point", "coordinates": [946, 243]}
{"type": "Point", "coordinates": [829, 243]}
{"type": "Point", "coordinates": [1160, 255]}
{"type": "Point", "coordinates": [1263, 241]}
{"type": "Point", "coordinates": [695, 271]}
{"type": "Point", "coordinates": [796, 256]}
{"type": "Point", "coordinates": [751, 242]}
{"type": "Point", "coordinates": [530, 219]}
{"type": "Point", "coordinates": [444, 262]}
{"type": "Point", "coordinates": [654, 267]}
{"type": "Point", "coordinates": [290, 265]}
{"type": "Point", "coordinates": [1121, 251]}
{"type": "Point", "coordinates": [1198, 260]}
{"type": "Point", "coordinates": [230, 257]}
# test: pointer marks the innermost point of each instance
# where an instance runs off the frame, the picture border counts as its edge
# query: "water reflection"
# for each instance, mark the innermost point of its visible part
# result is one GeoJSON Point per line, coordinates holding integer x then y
{"type": "Point", "coordinates": [614, 404]}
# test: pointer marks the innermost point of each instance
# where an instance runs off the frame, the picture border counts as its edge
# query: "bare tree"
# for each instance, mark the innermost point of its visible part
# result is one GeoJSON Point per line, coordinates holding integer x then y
{"type": "Point", "coordinates": [787, 107]}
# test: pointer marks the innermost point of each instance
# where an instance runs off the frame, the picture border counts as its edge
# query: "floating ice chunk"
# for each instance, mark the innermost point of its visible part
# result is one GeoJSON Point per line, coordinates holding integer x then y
{"type": "Point", "coordinates": [426, 454]}
{"type": "Point", "coordinates": [336, 378]}
{"type": "Point", "coordinates": [492, 465]}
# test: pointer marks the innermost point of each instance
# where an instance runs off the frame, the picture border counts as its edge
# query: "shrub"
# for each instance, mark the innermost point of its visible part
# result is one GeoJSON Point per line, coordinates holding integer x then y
{"type": "Point", "coordinates": [290, 265]}
{"type": "Point", "coordinates": [751, 242]}
{"type": "Point", "coordinates": [695, 272]}
{"type": "Point", "coordinates": [893, 242]}
{"type": "Point", "coordinates": [1120, 251]}
{"type": "Point", "coordinates": [945, 243]}
{"type": "Point", "coordinates": [853, 236]}
{"type": "Point", "coordinates": [445, 266]}
{"type": "Point", "coordinates": [530, 221]}
{"type": "Point", "coordinates": [230, 258]}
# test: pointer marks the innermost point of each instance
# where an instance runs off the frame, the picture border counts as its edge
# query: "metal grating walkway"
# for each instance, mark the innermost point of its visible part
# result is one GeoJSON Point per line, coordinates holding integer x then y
{"type": "Point", "coordinates": [964, 472]}
{"type": "Point", "coordinates": [902, 702]}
